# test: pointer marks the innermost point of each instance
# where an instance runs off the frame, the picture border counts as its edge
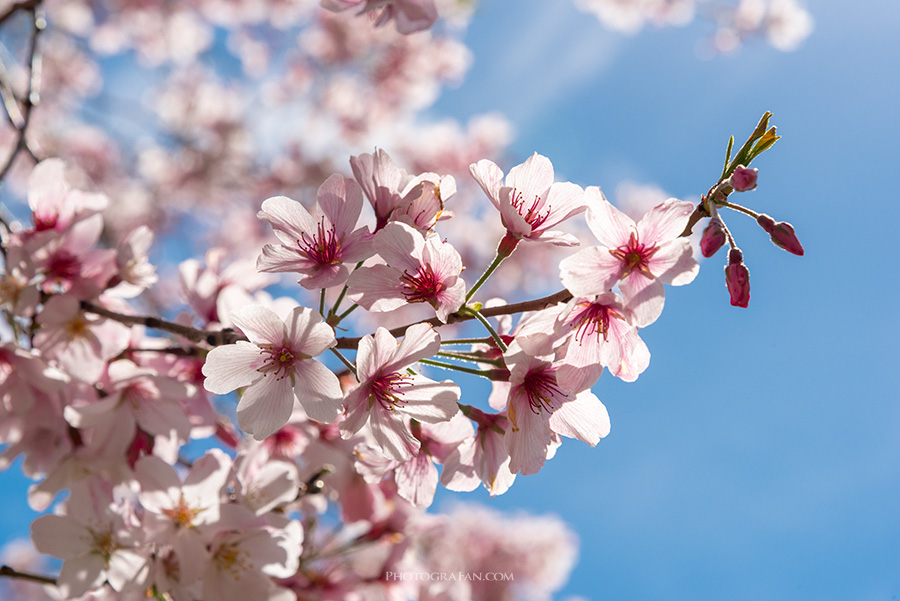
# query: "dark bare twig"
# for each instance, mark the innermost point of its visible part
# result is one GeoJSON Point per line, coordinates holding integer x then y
{"type": "Point", "coordinates": [13, 573]}
{"type": "Point", "coordinates": [32, 94]}
{"type": "Point", "coordinates": [229, 336]}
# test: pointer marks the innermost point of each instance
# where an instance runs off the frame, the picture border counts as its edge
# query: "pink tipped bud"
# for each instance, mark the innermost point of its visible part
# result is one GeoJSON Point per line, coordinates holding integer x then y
{"type": "Point", "coordinates": [743, 178]}
{"type": "Point", "coordinates": [784, 237]}
{"type": "Point", "coordinates": [737, 279]}
{"type": "Point", "coordinates": [713, 237]}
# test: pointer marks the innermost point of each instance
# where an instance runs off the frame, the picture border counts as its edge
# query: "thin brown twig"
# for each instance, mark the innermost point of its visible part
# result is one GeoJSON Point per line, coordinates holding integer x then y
{"type": "Point", "coordinates": [13, 573]}
{"type": "Point", "coordinates": [32, 94]}
{"type": "Point", "coordinates": [230, 336]}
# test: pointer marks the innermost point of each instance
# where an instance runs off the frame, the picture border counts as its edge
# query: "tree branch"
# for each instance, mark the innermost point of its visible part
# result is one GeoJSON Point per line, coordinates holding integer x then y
{"type": "Point", "coordinates": [13, 573]}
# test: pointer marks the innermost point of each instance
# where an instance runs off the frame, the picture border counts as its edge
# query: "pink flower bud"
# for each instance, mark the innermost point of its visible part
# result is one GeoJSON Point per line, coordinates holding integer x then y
{"type": "Point", "coordinates": [737, 279]}
{"type": "Point", "coordinates": [713, 237]}
{"type": "Point", "coordinates": [784, 237]}
{"type": "Point", "coordinates": [743, 178]}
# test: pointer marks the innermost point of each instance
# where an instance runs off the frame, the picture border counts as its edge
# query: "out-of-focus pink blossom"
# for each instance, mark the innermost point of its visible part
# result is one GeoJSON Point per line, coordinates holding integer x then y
{"type": "Point", "coordinates": [409, 16]}
{"type": "Point", "coordinates": [276, 367]}
{"type": "Point", "coordinates": [96, 539]}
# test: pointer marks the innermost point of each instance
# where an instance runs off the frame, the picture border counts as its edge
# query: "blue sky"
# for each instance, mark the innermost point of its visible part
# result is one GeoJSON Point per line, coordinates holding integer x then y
{"type": "Point", "coordinates": [759, 455]}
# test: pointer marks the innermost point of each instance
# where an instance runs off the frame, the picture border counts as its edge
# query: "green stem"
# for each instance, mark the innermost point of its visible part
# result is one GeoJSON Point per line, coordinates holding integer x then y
{"type": "Point", "coordinates": [350, 310]}
{"type": "Point", "coordinates": [340, 297]}
{"type": "Point", "coordinates": [466, 370]}
{"type": "Point", "coordinates": [322, 302]}
{"type": "Point", "coordinates": [488, 327]}
{"type": "Point", "coordinates": [344, 360]}
{"type": "Point", "coordinates": [466, 341]}
{"type": "Point", "coordinates": [468, 357]}
{"type": "Point", "coordinates": [506, 247]}
{"type": "Point", "coordinates": [740, 209]}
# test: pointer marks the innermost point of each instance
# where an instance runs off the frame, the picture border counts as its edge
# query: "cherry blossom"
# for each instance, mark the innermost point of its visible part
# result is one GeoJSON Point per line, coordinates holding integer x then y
{"type": "Point", "coordinates": [417, 269]}
{"type": "Point", "coordinates": [317, 245]}
{"type": "Point", "coordinates": [388, 395]}
{"type": "Point", "coordinates": [529, 201]}
{"type": "Point", "coordinates": [639, 256]}
{"type": "Point", "coordinates": [96, 539]}
{"type": "Point", "coordinates": [277, 367]}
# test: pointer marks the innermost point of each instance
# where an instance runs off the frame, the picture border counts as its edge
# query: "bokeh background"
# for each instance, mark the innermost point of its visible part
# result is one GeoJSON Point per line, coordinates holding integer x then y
{"type": "Point", "coordinates": [758, 456]}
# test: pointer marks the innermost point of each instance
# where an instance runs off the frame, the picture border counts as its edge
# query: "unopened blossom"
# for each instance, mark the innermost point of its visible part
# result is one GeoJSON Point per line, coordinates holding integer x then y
{"type": "Point", "coordinates": [737, 279]}
{"type": "Point", "coordinates": [416, 269]}
{"type": "Point", "coordinates": [397, 196]}
{"type": "Point", "coordinates": [409, 16]}
{"type": "Point", "coordinates": [743, 179]}
{"type": "Point", "coordinates": [318, 244]}
{"type": "Point", "coordinates": [782, 234]}
{"type": "Point", "coordinates": [97, 540]}
{"type": "Point", "coordinates": [276, 366]}
{"type": "Point", "coordinates": [639, 256]}
{"type": "Point", "coordinates": [713, 237]}
{"type": "Point", "coordinates": [387, 394]}
{"type": "Point", "coordinates": [529, 201]}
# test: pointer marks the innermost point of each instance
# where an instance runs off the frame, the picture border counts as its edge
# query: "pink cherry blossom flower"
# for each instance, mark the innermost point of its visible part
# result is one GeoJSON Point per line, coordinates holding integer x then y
{"type": "Point", "coordinates": [743, 179]}
{"type": "Point", "coordinates": [54, 206]}
{"type": "Point", "coordinates": [530, 203]}
{"type": "Point", "coordinates": [136, 273]}
{"type": "Point", "coordinates": [79, 343]}
{"type": "Point", "coordinates": [388, 393]}
{"type": "Point", "coordinates": [396, 196]}
{"type": "Point", "coordinates": [542, 404]}
{"type": "Point", "coordinates": [418, 269]}
{"type": "Point", "coordinates": [97, 540]}
{"type": "Point", "coordinates": [317, 245]}
{"type": "Point", "coordinates": [639, 256]}
{"type": "Point", "coordinates": [276, 366]}
{"type": "Point", "coordinates": [482, 459]}
{"type": "Point", "coordinates": [242, 563]}
{"type": "Point", "coordinates": [175, 511]}
{"type": "Point", "coordinates": [409, 16]}
{"type": "Point", "coordinates": [598, 333]}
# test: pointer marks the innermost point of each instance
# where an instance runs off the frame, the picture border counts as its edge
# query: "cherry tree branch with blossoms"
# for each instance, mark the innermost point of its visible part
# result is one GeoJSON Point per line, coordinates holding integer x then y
{"type": "Point", "coordinates": [99, 408]}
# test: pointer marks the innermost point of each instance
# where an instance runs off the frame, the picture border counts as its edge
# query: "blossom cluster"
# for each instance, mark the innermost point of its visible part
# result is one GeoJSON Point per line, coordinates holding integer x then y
{"type": "Point", "coordinates": [308, 376]}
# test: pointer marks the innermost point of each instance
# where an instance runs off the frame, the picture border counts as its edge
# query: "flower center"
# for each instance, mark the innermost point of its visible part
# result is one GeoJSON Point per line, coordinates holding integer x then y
{"type": "Point", "coordinates": [64, 266]}
{"type": "Point", "coordinates": [422, 286]}
{"type": "Point", "coordinates": [323, 248]}
{"type": "Point", "coordinates": [278, 361]}
{"type": "Point", "coordinates": [540, 388]}
{"type": "Point", "coordinates": [388, 388]}
{"type": "Point", "coordinates": [232, 560]}
{"type": "Point", "coordinates": [592, 319]}
{"type": "Point", "coordinates": [531, 214]}
{"type": "Point", "coordinates": [635, 255]}
{"type": "Point", "coordinates": [182, 515]}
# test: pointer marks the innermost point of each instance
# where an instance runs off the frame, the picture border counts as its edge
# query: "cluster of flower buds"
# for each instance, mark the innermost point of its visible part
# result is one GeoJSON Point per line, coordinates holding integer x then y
{"type": "Point", "coordinates": [736, 177]}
